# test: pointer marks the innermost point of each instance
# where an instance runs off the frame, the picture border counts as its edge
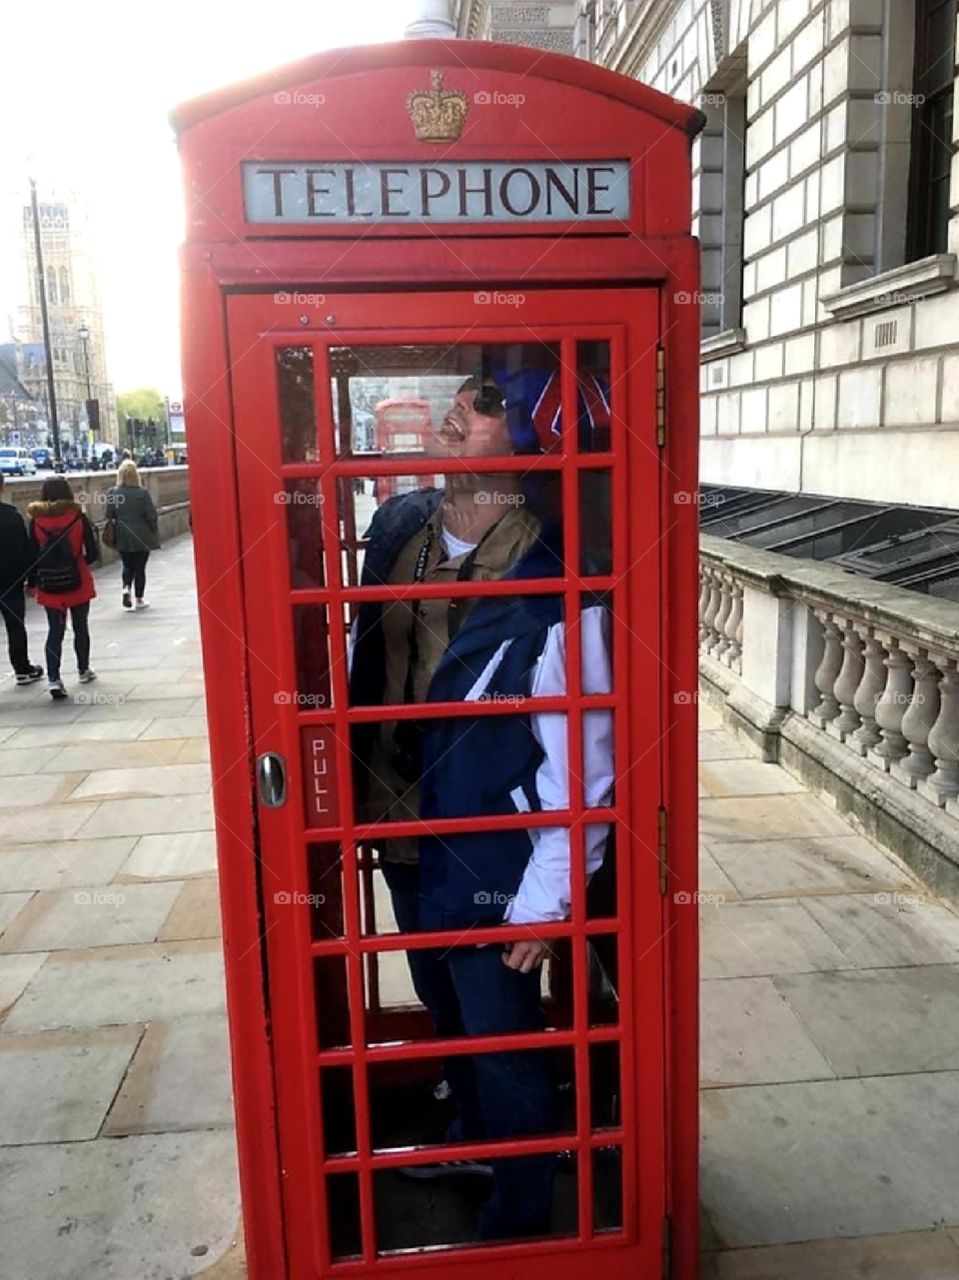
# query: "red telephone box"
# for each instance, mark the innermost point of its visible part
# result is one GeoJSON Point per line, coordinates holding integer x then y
{"type": "Point", "coordinates": [503, 234]}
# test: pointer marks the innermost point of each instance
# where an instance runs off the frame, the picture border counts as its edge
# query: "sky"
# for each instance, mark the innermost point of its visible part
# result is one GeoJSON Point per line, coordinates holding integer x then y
{"type": "Point", "coordinates": [85, 92]}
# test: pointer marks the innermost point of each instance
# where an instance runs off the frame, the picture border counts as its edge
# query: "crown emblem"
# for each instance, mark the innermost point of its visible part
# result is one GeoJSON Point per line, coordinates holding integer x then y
{"type": "Point", "coordinates": [437, 113]}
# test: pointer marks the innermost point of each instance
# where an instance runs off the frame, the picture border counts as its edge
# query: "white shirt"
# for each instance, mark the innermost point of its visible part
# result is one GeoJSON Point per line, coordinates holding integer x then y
{"type": "Point", "coordinates": [544, 893]}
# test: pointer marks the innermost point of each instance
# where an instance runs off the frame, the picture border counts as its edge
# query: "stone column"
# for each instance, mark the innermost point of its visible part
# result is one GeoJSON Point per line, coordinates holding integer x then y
{"type": "Point", "coordinates": [847, 683]}
{"type": "Point", "coordinates": [891, 707]}
{"type": "Point", "coordinates": [827, 671]}
{"type": "Point", "coordinates": [943, 785]}
{"type": "Point", "coordinates": [869, 692]}
{"type": "Point", "coordinates": [917, 723]}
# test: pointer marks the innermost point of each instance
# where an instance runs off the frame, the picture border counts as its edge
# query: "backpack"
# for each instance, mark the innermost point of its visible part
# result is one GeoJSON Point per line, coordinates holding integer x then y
{"type": "Point", "coordinates": [58, 572]}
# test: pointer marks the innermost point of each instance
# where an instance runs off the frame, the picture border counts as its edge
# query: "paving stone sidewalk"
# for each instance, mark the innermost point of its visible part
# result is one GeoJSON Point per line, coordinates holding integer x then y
{"type": "Point", "coordinates": [830, 999]}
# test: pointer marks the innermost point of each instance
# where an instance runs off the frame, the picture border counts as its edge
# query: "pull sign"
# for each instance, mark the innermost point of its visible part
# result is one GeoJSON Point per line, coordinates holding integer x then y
{"type": "Point", "coordinates": [320, 793]}
{"type": "Point", "coordinates": [321, 193]}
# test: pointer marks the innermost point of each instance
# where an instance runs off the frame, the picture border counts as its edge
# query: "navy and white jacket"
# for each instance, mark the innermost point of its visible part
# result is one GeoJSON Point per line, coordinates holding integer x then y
{"type": "Point", "coordinates": [508, 647]}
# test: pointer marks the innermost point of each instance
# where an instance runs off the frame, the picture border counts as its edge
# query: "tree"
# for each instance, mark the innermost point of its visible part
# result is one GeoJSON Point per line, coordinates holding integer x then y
{"type": "Point", "coordinates": [144, 403]}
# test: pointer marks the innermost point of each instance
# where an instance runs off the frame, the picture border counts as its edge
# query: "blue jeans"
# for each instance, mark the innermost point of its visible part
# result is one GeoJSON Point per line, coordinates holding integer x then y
{"type": "Point", "coordinates": [469, 991]}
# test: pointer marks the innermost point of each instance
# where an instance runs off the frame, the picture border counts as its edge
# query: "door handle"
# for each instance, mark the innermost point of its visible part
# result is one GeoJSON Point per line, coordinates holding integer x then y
{"type": "Point", "coordinates": [271, 779]}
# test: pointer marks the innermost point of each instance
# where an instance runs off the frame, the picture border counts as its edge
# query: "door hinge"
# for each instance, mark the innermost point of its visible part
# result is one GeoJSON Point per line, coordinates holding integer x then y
{"type": "Point", "coordinates": [663, 850]}
{"type": "Point", "coordinates": [660, 396]}
{"type": "Point", "coordinates": [667, 1248]}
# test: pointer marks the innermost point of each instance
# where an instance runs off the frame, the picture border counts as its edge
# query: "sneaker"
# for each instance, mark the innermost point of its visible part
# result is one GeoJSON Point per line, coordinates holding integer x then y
{"type": "Point", "coordinates": [127, 602]}
{"type": "Point", "coordinates": [31, 676]}
{"type": "Point", "coordinates": [143, 604]}
{"type": "Point", "coordinates": [86, 676]}
{"type": "Point", "coordinates": [446, 1169]}
{"type": "Point", "coordinates": [57, 690]}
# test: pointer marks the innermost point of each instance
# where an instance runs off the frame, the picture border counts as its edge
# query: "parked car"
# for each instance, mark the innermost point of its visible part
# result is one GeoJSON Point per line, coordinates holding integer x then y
{"type": "Point", "coordinates": [17, 462]}
{"type": "Point", "coordinates": [43, 458]}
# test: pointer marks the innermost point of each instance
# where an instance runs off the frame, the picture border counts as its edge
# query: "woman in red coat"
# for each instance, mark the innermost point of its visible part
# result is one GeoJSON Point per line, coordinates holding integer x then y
{"type": "Point", "coordinates": [64, 547]}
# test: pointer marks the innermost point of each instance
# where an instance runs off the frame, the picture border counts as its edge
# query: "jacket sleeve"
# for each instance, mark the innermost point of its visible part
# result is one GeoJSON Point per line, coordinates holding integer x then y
{"type": "Point", "coordinates": [91, 548]}
{"type": "Point", "coordinates": [22, 550]}
{"type": "Point", "coordinates": [33, 554]}
{"type": "Point", "coordinates": [545, 891]}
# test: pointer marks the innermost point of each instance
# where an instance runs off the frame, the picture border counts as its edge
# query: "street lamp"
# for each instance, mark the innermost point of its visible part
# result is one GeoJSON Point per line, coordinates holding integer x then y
{"type": "Point", "coordinates": [93, 405]}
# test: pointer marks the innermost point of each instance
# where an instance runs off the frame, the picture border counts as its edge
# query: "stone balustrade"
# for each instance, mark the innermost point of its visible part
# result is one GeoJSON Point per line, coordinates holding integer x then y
{"type": "Point", "coordinates": [851, 684]}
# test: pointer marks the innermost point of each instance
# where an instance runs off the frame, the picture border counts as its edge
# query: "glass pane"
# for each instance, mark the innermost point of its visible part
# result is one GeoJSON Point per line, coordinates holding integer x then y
{"type": "Point", "coordinates": [427, 1102]}
{"type": "Point", "coordinates": [311, 643]}
{"type": "Point", "coordinates": [605, 1086]}
{"type": "Point", "coordinates": [339, 1112]}
{"type": "Point", "coordinates": [594, 393]}
{"type": "Point", "coordinates": [608, 1189]}
{"type": "Point", "coordinates": [303, 500]}
{"type": "Point", "coordinates": [294, 381]}
{"type": "Point", "coordinates": [332, 1002]}
{"type": "Point", "coordinates": [325, 877]}
{"type": "Point", "coordinates": [595, 522]}
{"type": "Point", "coordinates": [603, 959]}
{"type": "Point", "coordinates": [446, 400]}
{"type": "Point", "coordinates": [519, 1198]}
{"type": "Point", "coordinates": [343, 1207]}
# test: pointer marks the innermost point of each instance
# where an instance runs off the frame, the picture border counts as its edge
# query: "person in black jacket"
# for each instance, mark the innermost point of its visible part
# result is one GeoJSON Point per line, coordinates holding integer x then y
{"type": "Point", "coordinates": [16, 561]}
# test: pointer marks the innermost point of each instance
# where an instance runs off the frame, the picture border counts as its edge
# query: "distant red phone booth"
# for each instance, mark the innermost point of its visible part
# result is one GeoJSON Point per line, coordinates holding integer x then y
{"type": "Point", "coordinates": [496, 241]}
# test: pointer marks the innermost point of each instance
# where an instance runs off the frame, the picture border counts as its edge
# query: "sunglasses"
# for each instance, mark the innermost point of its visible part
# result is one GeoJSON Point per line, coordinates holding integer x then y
{"type": "Point", "coordinates": [489, 400]}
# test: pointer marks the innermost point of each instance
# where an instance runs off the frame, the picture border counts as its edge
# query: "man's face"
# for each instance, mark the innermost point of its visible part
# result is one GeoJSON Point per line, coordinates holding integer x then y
{"type": "Point", "coordinates": [466, 433]}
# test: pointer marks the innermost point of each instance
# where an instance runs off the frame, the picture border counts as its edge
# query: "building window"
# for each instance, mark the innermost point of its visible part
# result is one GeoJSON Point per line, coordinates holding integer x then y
{"type": "Point", "coordinates": [931, 149]}
{"type": "Point", "coordinates": [52, 288]}
{"type": "Point", "coordinates": [64, 285]}
{"type": "Point", "coordinates": [721, 204]}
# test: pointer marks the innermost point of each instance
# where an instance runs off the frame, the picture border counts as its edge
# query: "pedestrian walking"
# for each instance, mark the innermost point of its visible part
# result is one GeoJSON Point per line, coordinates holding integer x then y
{"type": "Point", "coordinates": [133, 515]}
{"type": "Point", "coordinates": [64, 547]}
{"type": "Point", "coordinates": [16, 559]}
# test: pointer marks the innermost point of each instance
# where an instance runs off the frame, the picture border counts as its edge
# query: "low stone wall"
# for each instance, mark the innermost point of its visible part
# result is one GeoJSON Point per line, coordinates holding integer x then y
{"type": "Point", "coordinates": [850, 684]}
{"type": "Point", "coordinates": [169, 487]}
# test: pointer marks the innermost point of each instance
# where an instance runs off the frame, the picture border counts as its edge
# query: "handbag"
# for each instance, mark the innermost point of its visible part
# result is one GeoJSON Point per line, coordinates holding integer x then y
{"type": "Point", "coordinates": [109, 535]}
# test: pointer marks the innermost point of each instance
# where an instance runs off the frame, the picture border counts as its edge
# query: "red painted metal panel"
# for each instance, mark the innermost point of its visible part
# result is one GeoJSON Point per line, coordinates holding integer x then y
{"type": "Point", "coordinates": [384, 285]}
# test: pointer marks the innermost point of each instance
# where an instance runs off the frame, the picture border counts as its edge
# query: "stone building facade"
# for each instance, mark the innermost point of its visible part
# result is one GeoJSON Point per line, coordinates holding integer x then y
{"type": "Point", "coordinates": [825, 197]}
{"type": "Point", "coordinates": [73, 304]}
{"type": "Point", "coordinates": [543, 26]}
